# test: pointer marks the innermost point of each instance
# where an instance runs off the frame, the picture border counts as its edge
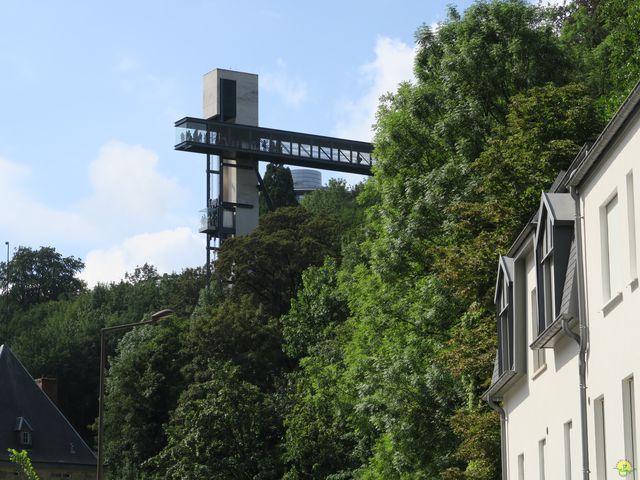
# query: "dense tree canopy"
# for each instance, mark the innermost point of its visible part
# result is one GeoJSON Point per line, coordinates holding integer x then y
{"type": "Point", "coordinates": [36, 276]}
{"type": "Point", "coordinates": [268, 264]}
{"type": "Point", "coordinates": [351, 336]}
{"type": "Point", "coordinates": [221, 429]}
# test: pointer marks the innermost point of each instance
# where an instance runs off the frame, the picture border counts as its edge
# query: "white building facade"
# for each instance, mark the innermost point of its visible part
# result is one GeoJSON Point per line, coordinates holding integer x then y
{"type": "Point", "coordinates": [568, 320]}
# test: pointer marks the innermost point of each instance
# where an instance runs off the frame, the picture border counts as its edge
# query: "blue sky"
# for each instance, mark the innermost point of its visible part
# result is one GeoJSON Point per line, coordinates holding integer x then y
{"type": "Point", "coordinates": [89, 93]}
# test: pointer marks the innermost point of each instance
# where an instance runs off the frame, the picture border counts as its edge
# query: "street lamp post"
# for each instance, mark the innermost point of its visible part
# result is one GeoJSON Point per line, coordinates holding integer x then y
{"type": "Point", "coordinates": [6, 272]}
{"type": "Point", "coordinates": [103, 360]}
{"type": "Point", "coordinates": [6, 282]}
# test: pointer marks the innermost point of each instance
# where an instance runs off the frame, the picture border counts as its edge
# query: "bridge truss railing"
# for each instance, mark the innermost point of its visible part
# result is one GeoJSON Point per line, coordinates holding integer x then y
{"type": "Point", "coordinates": [244, 141]}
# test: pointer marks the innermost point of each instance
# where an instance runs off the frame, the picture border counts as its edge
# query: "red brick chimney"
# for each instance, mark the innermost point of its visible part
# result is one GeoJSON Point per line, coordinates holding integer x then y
{"type": "Point", "coordinates": [50, 387]}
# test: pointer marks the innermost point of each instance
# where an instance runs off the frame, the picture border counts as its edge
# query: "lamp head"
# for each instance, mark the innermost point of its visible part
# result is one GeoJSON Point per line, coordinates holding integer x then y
{"type": "Point", "coordinates": [161, 314]}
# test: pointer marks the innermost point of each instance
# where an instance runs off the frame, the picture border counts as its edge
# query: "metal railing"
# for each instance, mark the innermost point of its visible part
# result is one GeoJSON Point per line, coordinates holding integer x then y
{"type": "Point", "coordinates": [237, 141]}
{"type": "Point", "coordinates": [217, 218]}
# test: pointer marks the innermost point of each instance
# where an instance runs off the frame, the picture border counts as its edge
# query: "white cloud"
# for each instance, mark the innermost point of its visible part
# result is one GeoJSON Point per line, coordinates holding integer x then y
{"type": "Point", "coordinates": [292, 90]}
{"type": "Point", "coordinates": [128, 190]}
{"type": "Point", "coordinates": [11, 172]}
{"type": "Point", "coordinates": [127, 63]}
{"type": "Point", "coordinates": [28, 218]}
{"type": "Point", "coordinates": [393, 64]}
{"type": "Point", "coordinates": [128, 195]}
{"type": "Point", "coordinates": [168, 250]}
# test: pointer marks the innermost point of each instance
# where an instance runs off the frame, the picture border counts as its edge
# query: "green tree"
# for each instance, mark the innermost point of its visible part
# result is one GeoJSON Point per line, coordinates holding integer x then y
{"type": "Point", "coordinates": [268, 263]}
{"type": "Point", "coordinates": [321, 440]}
{"type": "Point", "coordinates": [242, 333]}
{"type": "Point", "coordinates": [36, 276]}
{"type": "Point", "coordinates": [60, 338]}
{"type": "Point", "coordinates": [338, 200]}
{"type": "Point", "coordinates": [421, 284]}
{"type": "Point", "coordinates": [278, 183]}
{"type": "Point", "coordinates": [316, 310]}
{"type": "Point", "coordinates": [545, 128]}
{"type": "Point", "coordinates": [143, 385]}
{"type": "Point", "coordinates": [603, 37]}
{"type": "Point", "coordinates": [222, 428]}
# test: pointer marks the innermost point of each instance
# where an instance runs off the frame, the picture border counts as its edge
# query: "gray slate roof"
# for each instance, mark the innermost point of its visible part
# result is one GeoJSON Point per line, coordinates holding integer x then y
{"type": "Point", "coordinates": [505, 266]}
{"type": "Point", "coordinates": [55, 441]}
{"type": "Point", "coordinates": [560, 206]}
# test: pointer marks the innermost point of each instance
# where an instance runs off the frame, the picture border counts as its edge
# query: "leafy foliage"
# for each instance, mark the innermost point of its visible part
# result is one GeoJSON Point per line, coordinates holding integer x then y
{"type": "Point", "coordinates": [221, 429]}
{"type": "Point", "coordinates": [22, 460]}
{"type": "Point", "coordinates": [144, 383]}
{"type": "Point", "coordinates": [278, 184]}
{"type": "Point", "coordinates": [240, 332]}
{"type": "Point", "coordinates": [37, 276]}
{"type": "Point", "coordinates": [337, 200]}
{"type": "Point", "coordinates": [316, 311]}
{"type": "Point", "coordinates": [268, 264]}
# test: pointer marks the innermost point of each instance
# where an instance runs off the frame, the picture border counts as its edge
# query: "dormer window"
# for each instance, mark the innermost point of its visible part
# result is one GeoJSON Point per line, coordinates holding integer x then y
{"type": "Point", "coordinates": [546, 274]}
{"type": "Point", "coordinates": [24, 432]}
{"type": "Point", "coordinates": [553, 247]}
{"type": "Point", "coordinates": [504, 312]}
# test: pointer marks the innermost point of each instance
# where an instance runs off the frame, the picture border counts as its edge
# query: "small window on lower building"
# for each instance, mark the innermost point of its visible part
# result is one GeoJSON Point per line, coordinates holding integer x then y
{"type": "Point", "coordinates": [601, 442]}
{"type": "Point", "coordinates": [541, 448]}
{"type": "Point", "coordinates": [25, 438]}
{"type": "Point", "coordinates": [567, 450]}
{"type": "Point", "coordinates": [521, 466]}
{"type": "Point", "coordinates": [629, 419]}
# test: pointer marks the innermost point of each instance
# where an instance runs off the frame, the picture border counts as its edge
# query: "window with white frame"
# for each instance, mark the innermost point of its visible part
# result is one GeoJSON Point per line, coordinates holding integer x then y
{"type": "Point", "coordinates": [631, 222]}
{"type": "Point", "coordinates": [505, 320]}
{"type": "Point", "coordinates": [546, 312]}
{"type": "Point", "coordinates": [629, 419]}
{"type": "Point", "coordinates": [601, 442]}
{"type": "Point", "coordinates": [505, 329]}
{"type": "Point", "coordinates": [539, 359]}
{"type": "Point", "coordinates": [567, 450]}
{"type": "Point", "coordinates": [541, 466]}
{"type": "Point", "coordinates": [611, 252]}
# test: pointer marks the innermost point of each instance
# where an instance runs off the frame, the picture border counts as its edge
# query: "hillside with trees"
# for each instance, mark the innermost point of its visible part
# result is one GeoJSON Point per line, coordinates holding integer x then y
{"type": "Point", "coordinates": [350, 336]}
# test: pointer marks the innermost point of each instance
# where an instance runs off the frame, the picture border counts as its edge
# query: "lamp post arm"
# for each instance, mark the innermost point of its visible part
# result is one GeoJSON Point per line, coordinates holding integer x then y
{"type": "Point", "coordinates": [103, 355]}
{"type": "Point", "coordinates": [124, 326]}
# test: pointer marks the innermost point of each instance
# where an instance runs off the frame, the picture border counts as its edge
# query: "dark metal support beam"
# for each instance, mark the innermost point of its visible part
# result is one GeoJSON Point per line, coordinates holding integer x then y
{"type": "Point", "coordinates": [208, 267]}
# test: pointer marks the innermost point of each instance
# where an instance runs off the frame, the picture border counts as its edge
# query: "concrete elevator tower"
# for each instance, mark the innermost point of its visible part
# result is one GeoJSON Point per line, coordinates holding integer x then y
{"type": "Point", "coordinates": [232, 97]}
{"type": "Point", "coordinates": [234, 144]}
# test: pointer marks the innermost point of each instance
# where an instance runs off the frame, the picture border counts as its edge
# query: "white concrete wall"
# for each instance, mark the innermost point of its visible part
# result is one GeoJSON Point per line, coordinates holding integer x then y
{"type": "Point", "coordinates": [246, 92]}
{"type": "Point", "coordinates": [541, 402]}
{"type": "Point", "coordinates": [614, 329]}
